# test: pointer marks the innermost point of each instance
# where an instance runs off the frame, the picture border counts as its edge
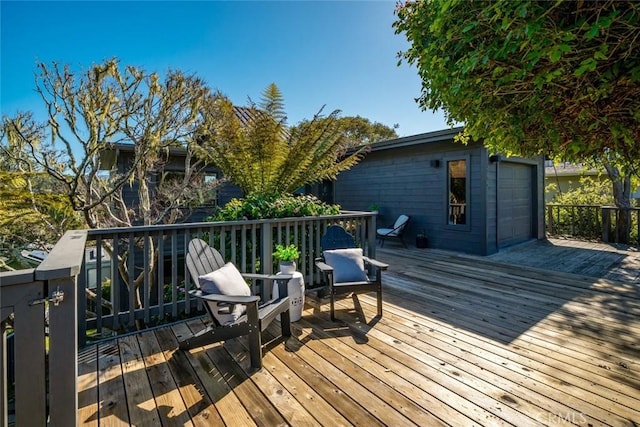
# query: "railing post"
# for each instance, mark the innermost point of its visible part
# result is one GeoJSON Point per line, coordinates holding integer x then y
{"type": "Point", "coordinates": [4, 413]}
{"type": "Point", "coordinates": [60, 269]}
{"type": "Point", "coordinates": [637, 211]}
{"type": "Point", "coordinates": [266, 253]}
{"type": "Point", "coordinates": [550, 220]}
{"type": "Point", "coordinates": [30, 355]}
{"type": "Point", "coordinates": [82, 303]}
{"type": "Point", "coordinates": [371, 235]}
{"type": "Point", "coordinates": [606, 223]}
{"type": "Point", "coordinates": [63, 350]}
{"type": "Point", "coordinates": [19, 292]}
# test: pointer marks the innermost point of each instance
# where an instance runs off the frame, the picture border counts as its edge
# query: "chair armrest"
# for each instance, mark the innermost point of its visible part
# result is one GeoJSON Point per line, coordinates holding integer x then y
{"type": "Point", "coordinates": [258, 276]}
{"type": "Point", "coordinates": [230, 299]}
{"type": "Point", "coordinates": [376, 263]}
{"type": "Point", "coordinates": [325, 268]}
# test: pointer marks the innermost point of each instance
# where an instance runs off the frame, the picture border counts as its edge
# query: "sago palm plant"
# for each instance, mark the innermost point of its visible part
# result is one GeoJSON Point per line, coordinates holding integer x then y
{"type": "Point", "coordinates": [253, 147]}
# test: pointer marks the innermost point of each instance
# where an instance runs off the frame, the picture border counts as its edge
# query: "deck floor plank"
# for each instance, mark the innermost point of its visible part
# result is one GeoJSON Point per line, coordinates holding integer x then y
{"type": "Point", "coordinates": [332, 366]}
{"type": "Point", "coordinates": [88, 386]}
{"type": "Point", "coordinates": [140, 401]}
{"type": "Point", "coordinates": [200, 408]}
{"type": "Point", "coordinates": [508, 364]}
{"type": "Point", "coordinates": [111, 390]}
{"type": "Point", "coordinates": [545, 350]}
{"type": "Point", "coordinates": [322, 412]}
{"type": "Point", "coordinates": [288, 406]}
{"type": "Point", "coordinates": [486, 407]}
{"type": "Point", "coordinates": [263, 412]}
{"type": "Point", "coordinates": [171, 407]}
{"type": "Point", "coordinates": [496, 380]}
{"type": "Point", "coordinates": [367, 373]}
{"type": "Point", "coordinates": [332, 394]}
{"type": "Point", "coordinates": [226, 402]}
{"type": "Point", "coordinates": [404, 378]}
{"type": "Point", "coordinates": [463, 340]}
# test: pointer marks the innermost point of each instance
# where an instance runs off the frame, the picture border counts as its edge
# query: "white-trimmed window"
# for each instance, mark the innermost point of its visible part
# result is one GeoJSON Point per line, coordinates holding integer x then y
{"type": "Point", "coordinates": [458, 192]}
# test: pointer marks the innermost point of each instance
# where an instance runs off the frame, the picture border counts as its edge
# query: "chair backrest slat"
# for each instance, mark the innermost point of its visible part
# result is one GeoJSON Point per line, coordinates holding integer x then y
{"type": "Point", "coordinates": [337, 237]}
{"type": "Point", "coordinates": [202, 259]}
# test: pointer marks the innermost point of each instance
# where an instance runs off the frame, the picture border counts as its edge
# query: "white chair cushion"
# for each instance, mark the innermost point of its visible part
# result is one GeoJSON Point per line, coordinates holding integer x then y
{"type": "Point", "coordinates": [226, 280]}
{"type": "Point", "coordinates": [348, 265]}
{"type": "Point", "coordinates": [387, 232]}
{"type": "Point", "coordinates": [401, 221]}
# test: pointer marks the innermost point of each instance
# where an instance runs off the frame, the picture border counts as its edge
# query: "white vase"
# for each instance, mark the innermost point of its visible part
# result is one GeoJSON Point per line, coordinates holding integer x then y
{"type": "Point", "coordinates": [287, 267]}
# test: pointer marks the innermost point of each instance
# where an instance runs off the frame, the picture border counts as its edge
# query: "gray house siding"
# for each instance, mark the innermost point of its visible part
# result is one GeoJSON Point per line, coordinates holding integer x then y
{"type": "Point", "coordinates": [122, 155]}
{"type": "Point", "coordinates": [409, 176]}
{"type": "Point", "coordinates": [491, 204]}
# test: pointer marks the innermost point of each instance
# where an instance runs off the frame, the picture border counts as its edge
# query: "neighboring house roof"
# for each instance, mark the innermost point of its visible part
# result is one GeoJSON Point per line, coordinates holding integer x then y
{"type": "Point", "coordinates": [108, 155]}
{"type": "Point", "coordinates": [570, 169]}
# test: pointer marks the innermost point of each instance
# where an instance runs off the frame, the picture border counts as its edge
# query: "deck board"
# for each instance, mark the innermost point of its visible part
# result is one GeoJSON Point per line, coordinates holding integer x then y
{"type": "Point", "coordinates": [463, 341]}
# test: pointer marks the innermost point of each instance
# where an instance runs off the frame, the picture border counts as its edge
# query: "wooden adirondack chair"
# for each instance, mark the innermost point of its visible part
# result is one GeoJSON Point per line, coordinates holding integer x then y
{"type": "Point", "coordinates": [227, 298]}
{"type": "Point", "coordinates": [346, 269]}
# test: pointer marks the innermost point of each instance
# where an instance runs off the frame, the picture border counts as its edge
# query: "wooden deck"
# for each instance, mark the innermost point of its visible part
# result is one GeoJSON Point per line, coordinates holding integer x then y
{"type": "Point", "coordinates": [463, 341]}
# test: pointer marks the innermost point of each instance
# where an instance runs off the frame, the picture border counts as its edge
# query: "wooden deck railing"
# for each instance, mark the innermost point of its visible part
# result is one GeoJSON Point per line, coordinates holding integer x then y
{"type": "Point", "coordinates": [37, 300]}
{"type": "Point", "coordinates": [153, 258]}
{"type": "Point", "coordinates": [46, 298]}
{"type": "Point", "coordinates": [591, 222]}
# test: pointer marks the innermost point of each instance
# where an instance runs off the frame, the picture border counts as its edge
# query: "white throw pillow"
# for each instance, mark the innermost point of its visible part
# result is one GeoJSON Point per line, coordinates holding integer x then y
{"type": "Point", "coordinates": [348, 265]}
{"type": "Point", "coordinates": [226, 280]}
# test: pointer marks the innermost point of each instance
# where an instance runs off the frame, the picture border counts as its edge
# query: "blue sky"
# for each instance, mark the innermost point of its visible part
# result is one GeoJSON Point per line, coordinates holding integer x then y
{"type": "Point", "coordinates": [338, 54]}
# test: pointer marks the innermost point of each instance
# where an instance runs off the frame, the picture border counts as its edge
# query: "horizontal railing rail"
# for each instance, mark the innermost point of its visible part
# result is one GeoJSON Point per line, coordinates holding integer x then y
{"type": "Point", "coordinates": [594, 222]}
{"type": "Point", "coordinates": [136, 277]}
{"type": "Point", "coordinates": [32, 302]}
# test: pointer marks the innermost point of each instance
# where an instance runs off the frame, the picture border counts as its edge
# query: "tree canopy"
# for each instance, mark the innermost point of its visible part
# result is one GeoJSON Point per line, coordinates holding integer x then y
{"type": "Point", "coordinates": [89, 111]}
{"type": "Point", "coordinates": [359, 131]}
{"type": "Point", "coordinates": [256, 150]}
{"type": "Point", "coordinates": [528, 77]}
{"type": "Point", "coordinates": [33, 213]}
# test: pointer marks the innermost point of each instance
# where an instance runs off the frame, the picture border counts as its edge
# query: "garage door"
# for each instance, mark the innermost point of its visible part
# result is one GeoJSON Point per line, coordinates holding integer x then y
{"type": "Point", "coordinates": [515, 203]}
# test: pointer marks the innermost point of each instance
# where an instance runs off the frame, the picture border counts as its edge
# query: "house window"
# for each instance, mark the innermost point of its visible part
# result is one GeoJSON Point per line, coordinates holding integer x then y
{"type": "Point", "coordinates": [202, 188]}
{"type": "Point", "coordinates": [457, 182]}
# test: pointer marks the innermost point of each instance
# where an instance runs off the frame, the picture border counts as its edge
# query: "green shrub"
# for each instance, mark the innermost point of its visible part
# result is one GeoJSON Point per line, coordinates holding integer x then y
{"type": "Point", "coordinates": [590, 192]}
{"type": "Point", "coordinates": [259, 206]}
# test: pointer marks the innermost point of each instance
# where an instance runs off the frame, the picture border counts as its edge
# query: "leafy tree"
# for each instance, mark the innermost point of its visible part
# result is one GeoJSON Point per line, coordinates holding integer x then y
{"type": "Point", "coordinates": [590, 192]}
{"type": "Point", "coordinates": [32, 213]}
{"type": "Point", "coordinates": [529, 77]}
{"type": "Point", "coordinates": [90, 111]}
{"type": "Point", "coordinates": [254, 148]}
{"type": "Point", "coordinates": [359, 131]}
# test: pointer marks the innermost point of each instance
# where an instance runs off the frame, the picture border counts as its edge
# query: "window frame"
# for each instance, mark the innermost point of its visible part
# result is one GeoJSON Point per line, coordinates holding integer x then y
{"type": "Point", "coordinates": [467, 225]}
{"type": "Point", "coordinates": [206, 174]}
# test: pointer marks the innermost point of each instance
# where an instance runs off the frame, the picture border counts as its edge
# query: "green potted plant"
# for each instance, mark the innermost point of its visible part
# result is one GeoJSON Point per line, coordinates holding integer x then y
{"type": "Point", "coordinates": [286, 256]}
{"type": "Point", "coordinates": [421, 240]}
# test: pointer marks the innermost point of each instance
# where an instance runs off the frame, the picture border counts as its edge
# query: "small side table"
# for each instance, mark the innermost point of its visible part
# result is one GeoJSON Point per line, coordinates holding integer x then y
{"type": "Point", "coordinates": [295, 290]}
